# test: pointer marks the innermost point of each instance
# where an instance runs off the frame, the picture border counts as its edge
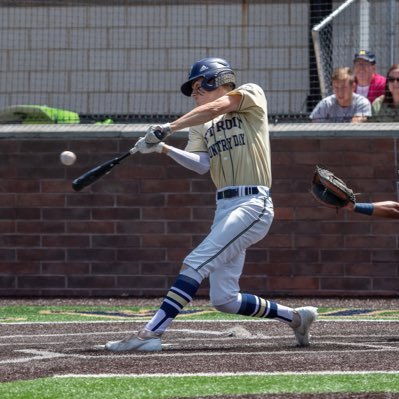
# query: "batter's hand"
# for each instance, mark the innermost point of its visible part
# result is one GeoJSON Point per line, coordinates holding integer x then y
{"type": "Point", "coordinates": [157, 133]}
{"type": "Point", "coordinates": [145, 148]}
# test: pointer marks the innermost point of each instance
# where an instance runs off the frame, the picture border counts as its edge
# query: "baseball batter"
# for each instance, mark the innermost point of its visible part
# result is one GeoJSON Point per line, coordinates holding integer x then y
{"type": "Point", "coordinates": [228, 136]}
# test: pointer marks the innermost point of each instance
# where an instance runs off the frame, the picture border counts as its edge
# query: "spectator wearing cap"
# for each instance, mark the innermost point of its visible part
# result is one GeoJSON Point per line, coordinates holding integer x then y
{"type": "Point", "coordinates": [368, 82]}
{"type": "Point", "coordinates": [344, 105]}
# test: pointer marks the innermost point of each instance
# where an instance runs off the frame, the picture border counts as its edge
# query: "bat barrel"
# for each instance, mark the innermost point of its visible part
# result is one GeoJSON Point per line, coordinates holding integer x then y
{"type": "Point", "coordinates": [94, 174]}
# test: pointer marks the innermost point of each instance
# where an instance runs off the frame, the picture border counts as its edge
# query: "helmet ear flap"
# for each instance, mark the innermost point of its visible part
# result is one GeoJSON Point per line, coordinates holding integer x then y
{"type": "Point", "coordinates": [219, 79]}
{"type": "Point", "coordinates": [209, 83]}
{"type": "Point", "coordinates": [225, 78]}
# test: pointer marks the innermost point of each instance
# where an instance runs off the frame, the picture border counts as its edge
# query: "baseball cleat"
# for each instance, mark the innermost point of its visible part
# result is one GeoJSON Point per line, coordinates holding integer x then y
{"type": "Point", "coordinates": [144, 341]}
{"type": "Point", "coordinates": [308, 315]}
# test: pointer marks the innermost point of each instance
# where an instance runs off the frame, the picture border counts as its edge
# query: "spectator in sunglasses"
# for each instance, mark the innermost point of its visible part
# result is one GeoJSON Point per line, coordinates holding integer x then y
{"type": "Point", "coordinates": [386, 107]}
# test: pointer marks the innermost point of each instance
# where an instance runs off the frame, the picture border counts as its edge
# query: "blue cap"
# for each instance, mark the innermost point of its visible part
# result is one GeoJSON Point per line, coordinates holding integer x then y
{"type": "Point", "coordinates": [366, 55]}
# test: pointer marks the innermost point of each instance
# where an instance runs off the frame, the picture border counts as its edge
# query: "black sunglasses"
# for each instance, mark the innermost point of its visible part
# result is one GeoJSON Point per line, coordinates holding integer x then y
{"type": "Point", "coordinates": [391, 80]}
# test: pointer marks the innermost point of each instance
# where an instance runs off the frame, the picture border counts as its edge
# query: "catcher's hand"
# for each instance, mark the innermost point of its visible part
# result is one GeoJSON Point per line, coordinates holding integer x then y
{"type": "Point", "coordinates": [329, 190]}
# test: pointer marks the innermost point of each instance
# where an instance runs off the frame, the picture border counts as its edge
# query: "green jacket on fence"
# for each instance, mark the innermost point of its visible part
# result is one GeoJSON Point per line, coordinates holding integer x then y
{"type": "Point", "coordinates": [40, 114]}
{"type": "Point", "coordinates": [37, 114]}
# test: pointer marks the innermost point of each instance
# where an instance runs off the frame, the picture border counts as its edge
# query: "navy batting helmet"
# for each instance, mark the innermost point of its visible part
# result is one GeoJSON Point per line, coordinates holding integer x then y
{"type": "Point", "coordinates": [215, 71]}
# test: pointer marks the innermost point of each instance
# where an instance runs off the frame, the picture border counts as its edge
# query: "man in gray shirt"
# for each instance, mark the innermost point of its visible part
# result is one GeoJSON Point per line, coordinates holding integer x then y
{"type": "Point", "coordinates": [344, 105]}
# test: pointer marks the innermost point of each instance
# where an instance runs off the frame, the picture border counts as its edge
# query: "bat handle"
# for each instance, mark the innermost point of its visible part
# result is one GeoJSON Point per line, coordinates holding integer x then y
{"type": "Point", "coordinates": [126, 154]}
{"type": "Point", "coordinates": [133, 150]}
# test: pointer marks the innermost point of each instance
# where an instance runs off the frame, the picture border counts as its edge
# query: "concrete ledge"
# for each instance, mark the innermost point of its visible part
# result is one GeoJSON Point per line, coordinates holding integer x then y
{"type": "Point", "coordinates": [136, 130]}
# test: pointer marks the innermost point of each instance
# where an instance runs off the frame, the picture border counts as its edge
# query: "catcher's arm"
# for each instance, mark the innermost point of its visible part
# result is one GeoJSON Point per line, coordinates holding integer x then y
{"type": "Point", "coordinates": [384, 209]}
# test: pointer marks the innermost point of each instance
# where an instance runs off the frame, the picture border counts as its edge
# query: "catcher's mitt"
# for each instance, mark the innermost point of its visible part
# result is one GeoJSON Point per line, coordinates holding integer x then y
{"type": "Point", "coordinates": [329, 190]}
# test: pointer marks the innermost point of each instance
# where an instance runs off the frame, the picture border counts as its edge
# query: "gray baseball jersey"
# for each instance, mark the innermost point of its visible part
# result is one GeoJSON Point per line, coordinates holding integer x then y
{"type": "Point", "coordinates": [329, 110]}
{"type": "Point", "coordinates": [238, 143]}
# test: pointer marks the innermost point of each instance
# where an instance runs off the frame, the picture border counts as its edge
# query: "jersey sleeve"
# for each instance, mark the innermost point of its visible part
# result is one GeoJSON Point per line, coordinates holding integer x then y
{"type": "Point", "coordinates": [196, 142]}
{"type": "Point", "coordinates": [252, 96]}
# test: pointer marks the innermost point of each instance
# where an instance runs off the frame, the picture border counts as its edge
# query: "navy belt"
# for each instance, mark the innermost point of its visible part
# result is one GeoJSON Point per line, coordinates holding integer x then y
{"type": "Point", "coordinates": [237, 192]}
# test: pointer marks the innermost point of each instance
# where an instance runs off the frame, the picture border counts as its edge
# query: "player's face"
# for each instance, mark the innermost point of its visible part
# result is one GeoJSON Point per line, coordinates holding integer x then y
{"type": "Point", "coordinates": [343, 90]}
{"type": "Point", "coordinates": [363, 71]}
{"type": "Point", "coordinates": [202, 96]}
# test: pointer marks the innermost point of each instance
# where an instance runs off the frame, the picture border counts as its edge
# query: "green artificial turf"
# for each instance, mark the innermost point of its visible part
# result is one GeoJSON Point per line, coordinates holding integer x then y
{"type": "Point", "coordinates": [16, 313]}
{"type": "Point", "coordinates": [169, 387]}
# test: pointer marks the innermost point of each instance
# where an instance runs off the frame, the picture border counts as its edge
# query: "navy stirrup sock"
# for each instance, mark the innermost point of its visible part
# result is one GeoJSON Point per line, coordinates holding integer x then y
{"type": "Point", "coordinates": [254, 306]}
{"type": "Point", "coordinates": [181, 293]}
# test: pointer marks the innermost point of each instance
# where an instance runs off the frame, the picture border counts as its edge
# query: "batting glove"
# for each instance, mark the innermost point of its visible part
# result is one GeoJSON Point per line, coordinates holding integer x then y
{"type": "Point", "coordinates": [145, 148]}
{"type": "Point", "coordinates": [157, 133]}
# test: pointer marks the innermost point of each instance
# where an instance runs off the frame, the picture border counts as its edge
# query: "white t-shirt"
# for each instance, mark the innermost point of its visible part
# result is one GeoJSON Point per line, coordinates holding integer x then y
{"type": "Point", "coordinates": [362, 90]}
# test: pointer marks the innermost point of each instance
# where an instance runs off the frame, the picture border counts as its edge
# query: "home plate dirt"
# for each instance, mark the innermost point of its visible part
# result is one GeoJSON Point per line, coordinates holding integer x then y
{"type": "Point", "coordinates": [29, 351]}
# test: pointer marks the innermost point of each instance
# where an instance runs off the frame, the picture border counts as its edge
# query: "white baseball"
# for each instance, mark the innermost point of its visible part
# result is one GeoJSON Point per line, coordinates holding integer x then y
{"type": "Point", "coordinates": [68, 158]}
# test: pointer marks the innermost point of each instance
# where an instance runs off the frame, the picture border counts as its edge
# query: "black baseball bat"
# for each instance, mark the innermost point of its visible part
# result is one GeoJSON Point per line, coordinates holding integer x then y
{"type": "Point", "coordinates": [99, 171]}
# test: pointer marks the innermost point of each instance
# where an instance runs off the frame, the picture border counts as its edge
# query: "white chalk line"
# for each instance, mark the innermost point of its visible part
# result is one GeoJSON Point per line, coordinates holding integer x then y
{"type": "Point", "coordinates": [217, 334]}
{"type": "Point", "coordinates": [205, 332]}
{"type": "Point", "coordinates": [228, 374]}
{"type": "Point", "coordinates": [240, 320]}
{"type": "Point", "coordinates": [254, 336]}
{"type": "Point", "coordinates": [203, 354]}
{"type": "Point", "coordinates": [364, 345]}
{"type": "Point", "coordinates": [41, 355]}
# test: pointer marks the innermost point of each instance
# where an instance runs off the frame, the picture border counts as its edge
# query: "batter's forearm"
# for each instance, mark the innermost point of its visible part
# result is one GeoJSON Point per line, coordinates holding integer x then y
{"type": "Point", "coordinates": [197, 116]}
{"type": "Point", "coordinates": [197, 162]}
{"type": "Point", "coordinates": [207, 112]}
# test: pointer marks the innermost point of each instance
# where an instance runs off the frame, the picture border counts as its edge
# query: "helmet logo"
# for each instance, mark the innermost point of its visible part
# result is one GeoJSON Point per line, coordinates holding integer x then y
{"type": "Point", "coordinates": [203, 68]}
